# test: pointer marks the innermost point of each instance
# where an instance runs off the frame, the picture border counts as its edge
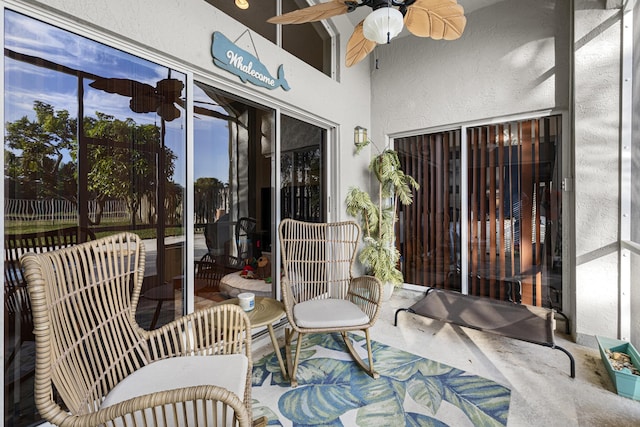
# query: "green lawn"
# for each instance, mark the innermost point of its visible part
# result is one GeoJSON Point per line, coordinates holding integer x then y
{"type": "Point", "coordinates": [15, 227]}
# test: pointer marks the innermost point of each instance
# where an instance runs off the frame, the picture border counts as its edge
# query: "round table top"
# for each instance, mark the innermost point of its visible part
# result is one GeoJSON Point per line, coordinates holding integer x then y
{"type": "Point", "coordinates": [265, 312]}
{"type": "Point", "coordinates": [233, 284]}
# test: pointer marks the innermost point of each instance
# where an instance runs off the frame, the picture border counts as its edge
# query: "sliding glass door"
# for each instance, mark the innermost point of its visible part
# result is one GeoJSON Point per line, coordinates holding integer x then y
{"type": "Point", "coordinates": [94, 144]}
{"type": "Point", "coordinates": [429, 228]}
{"type": "Point", "coordinates": [511, 213]}
{"type": "Point", "coordinates": [233, 152]}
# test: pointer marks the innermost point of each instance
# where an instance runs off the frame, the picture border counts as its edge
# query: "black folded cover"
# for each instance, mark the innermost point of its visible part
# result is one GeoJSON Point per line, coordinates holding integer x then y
{"type": "Point", "coordinates": [519, 321]}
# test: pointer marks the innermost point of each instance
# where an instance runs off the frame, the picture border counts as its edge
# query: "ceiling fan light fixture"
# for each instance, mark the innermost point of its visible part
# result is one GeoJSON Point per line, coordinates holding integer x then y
{"type": "Point", "coordinates": [242, 4]}
{"type": "Point", "coordinates": [383, 24]}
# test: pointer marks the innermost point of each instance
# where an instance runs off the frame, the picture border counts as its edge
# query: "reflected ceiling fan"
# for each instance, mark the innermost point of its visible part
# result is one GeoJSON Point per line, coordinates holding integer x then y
{"type": "Point", "coordinates": [146, 98]}
{"type": "Point", "coordinates": [438, 19]}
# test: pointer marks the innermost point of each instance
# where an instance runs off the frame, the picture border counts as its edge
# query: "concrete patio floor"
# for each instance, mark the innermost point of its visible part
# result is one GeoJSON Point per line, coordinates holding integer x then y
{"type": "Point", "coordinates": [542, 391]}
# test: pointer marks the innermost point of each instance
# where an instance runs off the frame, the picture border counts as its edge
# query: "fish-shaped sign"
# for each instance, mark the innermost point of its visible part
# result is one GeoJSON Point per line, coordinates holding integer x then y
{"type": "Point", "coordinates": [230, 57]}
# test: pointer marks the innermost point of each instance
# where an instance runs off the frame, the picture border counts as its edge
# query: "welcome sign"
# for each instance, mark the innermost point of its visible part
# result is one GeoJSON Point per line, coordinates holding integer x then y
{"type": "Point", "coordinates": [230, 57]}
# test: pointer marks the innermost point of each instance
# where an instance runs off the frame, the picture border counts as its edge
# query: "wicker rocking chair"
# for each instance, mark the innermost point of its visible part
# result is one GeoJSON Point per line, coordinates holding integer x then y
{"type": "Point", "coordinates": [109, 371]}
{"type": "Point", "coordinates": [318, 290]}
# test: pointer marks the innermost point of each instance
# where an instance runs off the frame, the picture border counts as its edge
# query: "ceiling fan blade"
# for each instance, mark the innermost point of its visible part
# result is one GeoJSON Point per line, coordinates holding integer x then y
{"type": "Point", "coordinates": [143, 104]}
{"type": "Point", "coordinates": [124, 87]}
{"type": "Point", "coordinates": [438, 19]}
{"type": "Point", "coordinates": [169, 89]}
{"type": "Point", "coordinates": [317, 12]}
{"type": "Point", "coordinates": [358, 47]}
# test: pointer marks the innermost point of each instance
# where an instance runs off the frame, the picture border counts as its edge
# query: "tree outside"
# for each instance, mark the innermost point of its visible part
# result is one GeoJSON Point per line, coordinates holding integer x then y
{"type": "Point", "coordinates": [124, 162]}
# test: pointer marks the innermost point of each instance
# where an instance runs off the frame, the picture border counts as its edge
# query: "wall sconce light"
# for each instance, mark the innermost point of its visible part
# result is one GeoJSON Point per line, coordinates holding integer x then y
{"type": "Point", "coordinates": [242, 4]}
{"type": "Point", "coordinates": [359, 136]}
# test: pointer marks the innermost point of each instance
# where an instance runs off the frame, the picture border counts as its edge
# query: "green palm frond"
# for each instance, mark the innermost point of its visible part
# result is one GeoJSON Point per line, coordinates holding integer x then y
{"type": "Point", "coordinates": [404, 187]}
{"type": "Point", "coordinates": [385, 165]}
{"type": "Point", "coordinates": [359, 205]}
{"type": "Point", "coordinates": [387, 232]}
{"type": "Point", "coordinates": [381, 258]}
{"type": "Point", "coordinates": [380, 255]}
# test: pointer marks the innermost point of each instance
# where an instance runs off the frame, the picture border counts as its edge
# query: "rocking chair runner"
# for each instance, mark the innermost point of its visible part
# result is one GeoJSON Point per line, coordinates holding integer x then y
{"type": "Point", "coordinates": [319, 291]}
{"type": "Point", "coordinates": [193, 371]}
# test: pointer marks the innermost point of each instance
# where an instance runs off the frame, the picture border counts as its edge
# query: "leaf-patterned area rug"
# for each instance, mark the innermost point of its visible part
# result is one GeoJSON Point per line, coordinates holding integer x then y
{"type": "Point", "coordinates": [412, 391]}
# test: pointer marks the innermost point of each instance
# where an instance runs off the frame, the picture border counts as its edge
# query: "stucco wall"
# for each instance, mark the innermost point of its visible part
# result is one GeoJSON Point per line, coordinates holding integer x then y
{"type": "Point", "coordinates": [181, 30]}
{"type": "Point", "coordinates": [515, 57]}
{"type": "Point", "coordinates": [510, 59]}
{"type": "Point", "coordinates": [596, 163]}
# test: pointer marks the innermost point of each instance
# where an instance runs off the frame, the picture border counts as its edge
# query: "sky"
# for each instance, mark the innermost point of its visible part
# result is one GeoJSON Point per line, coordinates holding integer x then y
{"type": "Point", "coordinates": [26, 83]}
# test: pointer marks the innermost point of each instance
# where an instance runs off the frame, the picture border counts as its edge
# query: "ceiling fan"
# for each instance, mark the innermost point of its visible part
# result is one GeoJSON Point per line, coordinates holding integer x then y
{"type": "Point", "coordinates": [146, 98]}
{"type": "Point", "coordinates": [438, 19]}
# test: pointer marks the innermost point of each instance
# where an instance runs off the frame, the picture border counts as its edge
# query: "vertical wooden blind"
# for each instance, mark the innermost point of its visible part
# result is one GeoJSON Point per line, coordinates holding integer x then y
{"type": "Point", "coordinates": [429, 235]}
{"type": "Point", "coordinates": [513, 211]}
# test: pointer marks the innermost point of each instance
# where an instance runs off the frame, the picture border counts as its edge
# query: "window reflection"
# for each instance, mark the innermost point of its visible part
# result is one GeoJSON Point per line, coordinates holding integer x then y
{"type": "Point", "coordinates": [302, 168]}
{"type": "Point", "coordinates": [121, 166]}
{"type": "Point", "coordinates": [232, 169]}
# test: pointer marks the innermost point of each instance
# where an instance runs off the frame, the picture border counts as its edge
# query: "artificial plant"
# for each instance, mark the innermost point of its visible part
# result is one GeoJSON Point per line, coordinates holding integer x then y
{"type": "Point", "coordinates": [380, 254]}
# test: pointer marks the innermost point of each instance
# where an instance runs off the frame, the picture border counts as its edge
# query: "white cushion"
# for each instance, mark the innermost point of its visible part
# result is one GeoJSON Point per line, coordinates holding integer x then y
{"type": "Point", "coordinates": [328, 313]}
{"type": "Point", "coordinates": [228, 371]}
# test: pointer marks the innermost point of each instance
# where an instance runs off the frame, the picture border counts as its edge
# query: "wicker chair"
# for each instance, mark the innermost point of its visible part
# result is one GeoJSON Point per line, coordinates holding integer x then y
{"type": "Point", "coordinates": [207, 275]}
{"type": "Point", "coordinates": [17, 306]}
{"type": "Point", "coordinates": [319, 291]}
{"type": "Point", "coordinates": [109, 371]}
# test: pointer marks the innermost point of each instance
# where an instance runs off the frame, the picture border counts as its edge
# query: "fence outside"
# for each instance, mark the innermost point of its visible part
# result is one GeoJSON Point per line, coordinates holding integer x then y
{"type": "Point", "coordinates": [61, 210]}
